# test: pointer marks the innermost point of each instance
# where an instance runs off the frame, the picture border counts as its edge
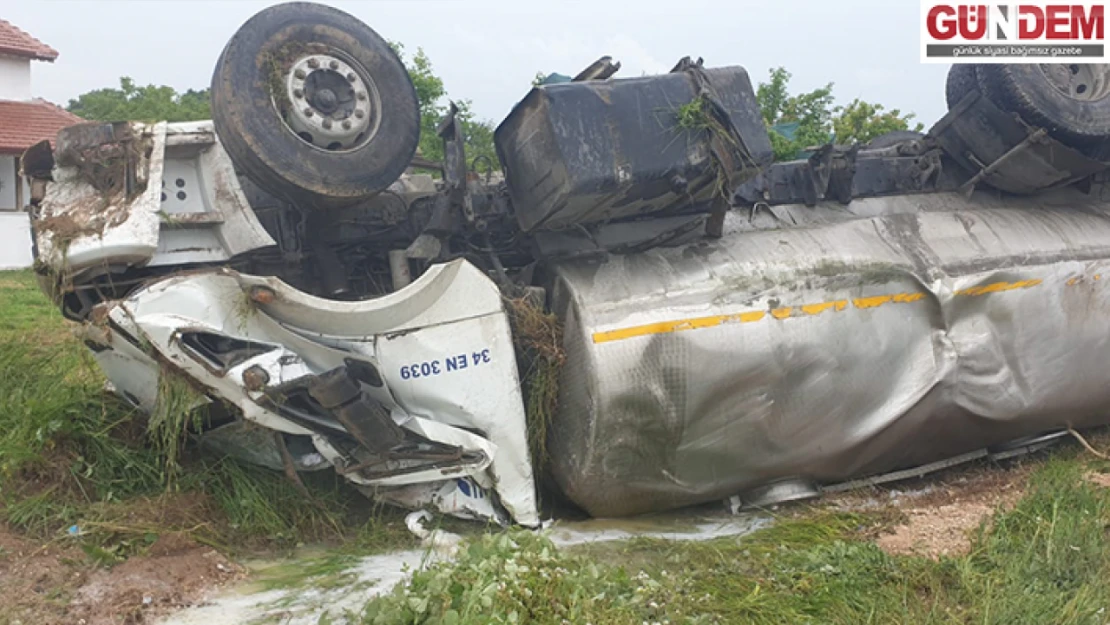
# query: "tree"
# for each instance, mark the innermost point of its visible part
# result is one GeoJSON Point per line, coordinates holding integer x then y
{"type": "Point", "coordinates": [134, 103]}
{"type": "Point", "coordinates": [155, 103]}
{"type": "Point", "coordinates": [860, 122]}
{"type": "Point", "coordinates": [432, 96]}
{"type": "Point", "coordinates": [812, 112]}
{"type": "Point", "coordinates": [818, 120]}
{"type": "Point", "coordinates": [478, 136]}
{"type": "Point", "coordinates": [430, 93]}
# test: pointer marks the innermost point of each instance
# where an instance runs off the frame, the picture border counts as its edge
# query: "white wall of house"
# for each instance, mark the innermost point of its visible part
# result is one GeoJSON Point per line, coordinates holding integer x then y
{"type": "Point", "coordinates": [15, 240]}
{"type": "Point", "coordinates": [15, 226]}
{"type": "Point", "coordinates": [15, 78]}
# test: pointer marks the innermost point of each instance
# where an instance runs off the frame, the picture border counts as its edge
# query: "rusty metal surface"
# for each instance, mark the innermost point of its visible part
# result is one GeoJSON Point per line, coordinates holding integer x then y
{"type": "Point", "coordinates": [916, 330]}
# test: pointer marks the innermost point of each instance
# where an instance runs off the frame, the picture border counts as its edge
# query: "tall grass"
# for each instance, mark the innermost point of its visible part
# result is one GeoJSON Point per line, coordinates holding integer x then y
{"type": "Point", "coordinates": [180, 409]}
{"type": "Point", "coordinates": [258, 502]}
{"type": "Point", "coordinates": [72, 454]}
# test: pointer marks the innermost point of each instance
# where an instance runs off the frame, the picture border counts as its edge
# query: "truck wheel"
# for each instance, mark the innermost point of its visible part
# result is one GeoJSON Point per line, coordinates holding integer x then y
{"type": "Point", "coordinates": [961, 81]}
{"type": "Point", "coordinates": [314, 106]}
{"type": "Point", "coordinates": [1071, 101]}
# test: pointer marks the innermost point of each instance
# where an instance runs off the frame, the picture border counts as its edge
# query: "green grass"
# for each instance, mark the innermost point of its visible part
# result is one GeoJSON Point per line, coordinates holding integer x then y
{"type": "Point", "coordinates": [25, 308]}
{"type": "Point", "coordinates": [693, 116]}
{"type": "Point", "coordinates": [179, 410]}
{"type": "Point", "coordinates": [513, 578]}
{"type": "Point", "coordinates": [1046, 560]}
{"type": "Point", "coordinates": [71, 454]}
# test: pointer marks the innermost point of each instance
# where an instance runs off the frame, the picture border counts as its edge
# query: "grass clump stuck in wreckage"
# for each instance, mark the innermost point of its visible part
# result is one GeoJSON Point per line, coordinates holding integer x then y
{"type": "Point", "coordinates": [538, 336]}
{"type": "Point", "coordinates": [700, 118]}
{"type": "Point", "coordinates": [73, 455]}
{"type": "Point", "coordinates": [694, 116]}
{"type": "Point", "coordinates": [180, 408]}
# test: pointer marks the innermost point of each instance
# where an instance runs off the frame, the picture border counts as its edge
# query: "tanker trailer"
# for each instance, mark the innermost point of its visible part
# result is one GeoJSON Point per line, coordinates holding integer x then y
{"type": "Point", "coordinates": [870, 313]}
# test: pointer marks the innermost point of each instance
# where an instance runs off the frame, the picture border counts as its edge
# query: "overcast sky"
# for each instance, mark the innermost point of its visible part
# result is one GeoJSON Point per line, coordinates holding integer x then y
{"type": "Point", "coordinates": [489, 50]}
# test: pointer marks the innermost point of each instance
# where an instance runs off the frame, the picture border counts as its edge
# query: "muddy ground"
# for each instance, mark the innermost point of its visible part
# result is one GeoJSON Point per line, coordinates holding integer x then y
{"type": "Point", "coordinates": [54, 582]}
{"type": "Point", "coordinates": [938, 514]}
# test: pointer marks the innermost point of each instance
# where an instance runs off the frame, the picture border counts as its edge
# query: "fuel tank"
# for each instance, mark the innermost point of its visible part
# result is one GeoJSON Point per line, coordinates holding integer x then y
{"type": "Point", "coordinates": [599, 150]}
{"type": "Point", "coordinates": [887, 334]}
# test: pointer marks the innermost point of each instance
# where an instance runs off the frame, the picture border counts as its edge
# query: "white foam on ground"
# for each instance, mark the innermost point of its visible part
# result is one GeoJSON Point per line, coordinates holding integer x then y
{"type": "Point", "coordinates": [375, 575]}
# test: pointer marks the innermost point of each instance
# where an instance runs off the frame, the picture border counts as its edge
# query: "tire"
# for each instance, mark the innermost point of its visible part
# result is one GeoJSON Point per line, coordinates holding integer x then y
{"type": "Point", "coordinates": [252, 102]}
{"type": "Point", "coordinates": [892, 139]}
{"type": "Point", "coordinates": [961, 81]}
{"type": "Point", "coordinates": [1036, 92]}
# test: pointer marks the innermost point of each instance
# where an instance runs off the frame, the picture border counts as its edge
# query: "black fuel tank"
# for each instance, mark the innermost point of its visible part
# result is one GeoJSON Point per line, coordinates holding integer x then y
{"type": "Point", "coordinates": [600, 150]}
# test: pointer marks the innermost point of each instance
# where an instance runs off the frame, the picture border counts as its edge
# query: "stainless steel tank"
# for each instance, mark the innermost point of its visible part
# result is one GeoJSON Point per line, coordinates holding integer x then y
{"type": "Point", "coordinates": [890, 333]}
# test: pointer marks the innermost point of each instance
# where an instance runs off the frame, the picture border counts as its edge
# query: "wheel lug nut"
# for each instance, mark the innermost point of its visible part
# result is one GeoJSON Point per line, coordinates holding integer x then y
{"type": "Point", "coordinates": [299, 74]}
{"type": "Point", "coordinates": [359, 113]}
{"type": "Point", "coordinates": [346, 124]}
{"type": "Point", "coordinates": [351, 77]}
{"type": "Point", "coordinates": [334, 65]}
{"type": "Point", "coordinates": [313, 63]}
{"type": "Point", "coordinates": [298, 93]}
{"type": "Point", "coordinates": [327, 123]}
{"type": "Point", "coordinates": [308, 112]}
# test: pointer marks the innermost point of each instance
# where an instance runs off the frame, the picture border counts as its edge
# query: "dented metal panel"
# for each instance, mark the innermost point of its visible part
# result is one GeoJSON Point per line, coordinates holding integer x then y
{"type": "Point", "coordinates": [205, 215]}
{"type": "Point", "coordinates": [89, 216]}
{"type": "Point", "coordinates": [445, 352]}
{"type": "Point", "coordinates": [440, 349]}
{"type": "Point", "coordinates": [833, 350]}
{"type": "Point", "coordinates": [132, 194]}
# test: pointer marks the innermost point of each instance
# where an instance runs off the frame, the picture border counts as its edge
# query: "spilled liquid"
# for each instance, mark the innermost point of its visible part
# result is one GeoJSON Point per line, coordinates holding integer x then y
{"type": "Point", "coordinates": [252, 602]}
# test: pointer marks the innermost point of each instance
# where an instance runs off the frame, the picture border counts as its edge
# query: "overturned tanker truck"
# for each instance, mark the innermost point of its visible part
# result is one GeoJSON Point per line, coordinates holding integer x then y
{"type": "Point", "coordinates": [726, 328]}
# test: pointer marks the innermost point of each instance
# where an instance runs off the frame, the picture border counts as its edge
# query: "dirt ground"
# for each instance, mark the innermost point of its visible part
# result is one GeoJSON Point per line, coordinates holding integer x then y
{"type": "Point", "coordinates": [939, 513]}
{"type": "Point", "coordinates": [53, 583]}
{"type": "Point", "coordinates": [1099, 479]}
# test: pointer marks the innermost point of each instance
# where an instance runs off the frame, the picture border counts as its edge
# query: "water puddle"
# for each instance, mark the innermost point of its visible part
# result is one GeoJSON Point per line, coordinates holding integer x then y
{"type": "Point", "coordinates": [343, 596]}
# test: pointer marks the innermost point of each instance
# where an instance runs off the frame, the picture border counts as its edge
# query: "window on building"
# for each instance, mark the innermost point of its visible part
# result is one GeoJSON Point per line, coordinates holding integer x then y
{"type": "Point", "coordinates": [12, 187]}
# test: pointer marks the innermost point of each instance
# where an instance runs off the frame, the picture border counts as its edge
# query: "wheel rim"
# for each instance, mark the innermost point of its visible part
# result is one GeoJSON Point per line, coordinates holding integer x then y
{"type": "Point", "coordinates": [333, 102]}
{"type": "Point", "coordinates": [1086, 82]}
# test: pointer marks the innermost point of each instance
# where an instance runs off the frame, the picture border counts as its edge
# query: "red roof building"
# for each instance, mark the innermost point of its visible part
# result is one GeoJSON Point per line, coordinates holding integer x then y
{"type": "Point", "coordinates": [24, 119]}
{"type": "Point", "coordinates": [15, 42]}
{"type": "Point", "coordinates": [23, 124]}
